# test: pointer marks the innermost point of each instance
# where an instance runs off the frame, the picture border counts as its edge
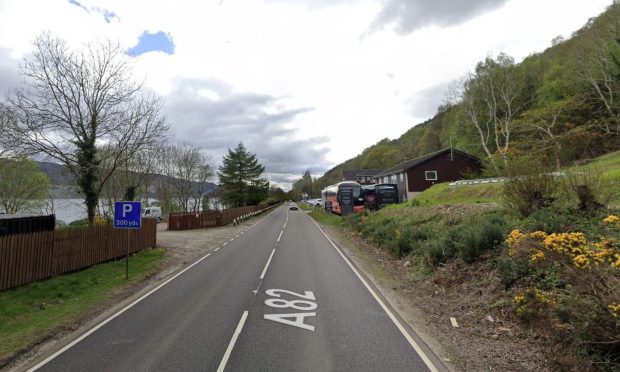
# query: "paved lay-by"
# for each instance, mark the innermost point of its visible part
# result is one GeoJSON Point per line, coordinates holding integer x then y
{"type": "Point", "coordinates": [279, 296]}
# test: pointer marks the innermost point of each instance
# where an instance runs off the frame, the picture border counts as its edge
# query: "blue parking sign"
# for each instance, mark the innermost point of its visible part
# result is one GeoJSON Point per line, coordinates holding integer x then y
{"type": "Point", "coordinates": [127, 214]}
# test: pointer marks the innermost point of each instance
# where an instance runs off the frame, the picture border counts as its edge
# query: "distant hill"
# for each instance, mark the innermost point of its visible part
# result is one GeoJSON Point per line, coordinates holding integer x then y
{"type": "Point", "coordinates": [63, 184]}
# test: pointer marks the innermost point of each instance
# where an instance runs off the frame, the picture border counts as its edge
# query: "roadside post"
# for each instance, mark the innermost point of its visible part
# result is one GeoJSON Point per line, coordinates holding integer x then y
{"type": "Point", "coordinates": [127, 215]}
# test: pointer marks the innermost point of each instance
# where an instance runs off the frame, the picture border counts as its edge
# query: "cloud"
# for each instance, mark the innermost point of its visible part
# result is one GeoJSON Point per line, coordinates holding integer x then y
{"type": "Point", "coordinates": [210, 115]}
{"type": "Point", "coordinates": [425, 102]}
{"type": "Point", "coordinates": [108, 15]}
{"type": "Point", "coordinates": [410, 15]}
{"type": "Point", "coordinates": [9, 76]}
{"type": "Point", "coordinates": [148, 42]}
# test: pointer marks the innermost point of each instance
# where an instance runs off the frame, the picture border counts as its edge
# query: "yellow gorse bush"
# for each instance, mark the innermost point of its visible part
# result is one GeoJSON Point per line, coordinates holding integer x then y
{"type": "Point", "coordinates": [574, 245]}
{"type": "Point", "coordinates": [532, 299]}
{"type": "Point", "coordinates": [537, 256]}
{"type": "Point", "coordinates": [614, 220]}
{"type": "Point", "coordinates": [614, 308]}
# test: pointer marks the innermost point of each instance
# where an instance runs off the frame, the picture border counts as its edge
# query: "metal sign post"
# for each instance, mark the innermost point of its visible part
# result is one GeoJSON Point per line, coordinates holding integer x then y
{"type": "Point", "coordinates": [127, 215]}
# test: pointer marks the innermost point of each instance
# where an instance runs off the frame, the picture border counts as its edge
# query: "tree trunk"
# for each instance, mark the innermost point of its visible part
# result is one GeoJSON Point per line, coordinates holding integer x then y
{"type": "Point", "coordinates": [87, 177]}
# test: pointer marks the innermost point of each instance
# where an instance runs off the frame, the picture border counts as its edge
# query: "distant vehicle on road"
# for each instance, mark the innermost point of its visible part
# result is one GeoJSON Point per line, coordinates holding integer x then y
{"type": "Point", "coordinates": [344, 197]}
{"type": "Point", "coordinates": [152, 212]}
{"type": "Point", "coordinates": [293, 206]}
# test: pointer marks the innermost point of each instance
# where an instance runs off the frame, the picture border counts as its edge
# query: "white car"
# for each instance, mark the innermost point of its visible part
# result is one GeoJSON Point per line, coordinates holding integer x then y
{"type": "Point", "coordinates": [152, 212]}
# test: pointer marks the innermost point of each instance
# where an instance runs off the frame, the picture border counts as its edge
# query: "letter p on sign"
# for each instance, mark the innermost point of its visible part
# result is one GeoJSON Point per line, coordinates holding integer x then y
{"type": "Point", "coordinates": [127, 208]}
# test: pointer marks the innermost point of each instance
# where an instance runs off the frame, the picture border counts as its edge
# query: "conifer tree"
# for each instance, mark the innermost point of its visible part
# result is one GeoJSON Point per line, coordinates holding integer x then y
{"type": "Point", "coordinates": [241, 178]}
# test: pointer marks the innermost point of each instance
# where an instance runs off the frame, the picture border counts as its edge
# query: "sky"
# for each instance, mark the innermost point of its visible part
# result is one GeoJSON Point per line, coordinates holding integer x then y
{"type": "Point", "coordinates": [304, 84]}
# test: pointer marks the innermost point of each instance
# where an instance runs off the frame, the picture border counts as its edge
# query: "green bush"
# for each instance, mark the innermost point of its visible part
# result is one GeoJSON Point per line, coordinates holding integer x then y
{"type": "Point", "coordinates": [548, 220]}
{"type": "Point", "coordinates": [437, 251]}
{"type": "Point", "coordinates": [477, 236]}
{"type": "Point", "coordinates": [511, 271]}
{"type": "Point", "coordinates": [529, 185]}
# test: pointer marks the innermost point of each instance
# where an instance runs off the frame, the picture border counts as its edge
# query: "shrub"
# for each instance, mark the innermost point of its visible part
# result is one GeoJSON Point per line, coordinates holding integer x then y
{"type": "Point", "coordinates": [529, 185]}
{"type": "Point", "coordinates": [548, 220]}
{"type": "Point", "coordinates": [574, 286]}
{"type": "Point", "coordinates": [589, 188]}
{"type": "Point", "coordinates": [479, 235]}
{"type": "Point", "coordinates": [436, 251]}
{"type": "Point", "coordinates": [511, 270]}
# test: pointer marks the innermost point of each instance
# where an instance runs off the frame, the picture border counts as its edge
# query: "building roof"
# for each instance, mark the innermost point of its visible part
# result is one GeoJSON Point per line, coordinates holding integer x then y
{"type": "Point", "coordinates": [353, 174]}
{"type": "Point", "coordinates": [422, 159]}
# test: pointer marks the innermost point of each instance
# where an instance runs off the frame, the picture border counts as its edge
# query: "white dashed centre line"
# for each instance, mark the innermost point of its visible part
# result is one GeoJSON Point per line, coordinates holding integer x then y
{"type": "Point", "coordinates": [262, 276]}
{"type": "Point", "coordinates": [231, 345]}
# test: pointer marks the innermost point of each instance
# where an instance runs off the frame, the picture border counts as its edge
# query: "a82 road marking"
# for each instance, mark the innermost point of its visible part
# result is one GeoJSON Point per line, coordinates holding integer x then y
{"type": "Point", "coordinates": [294, 319]}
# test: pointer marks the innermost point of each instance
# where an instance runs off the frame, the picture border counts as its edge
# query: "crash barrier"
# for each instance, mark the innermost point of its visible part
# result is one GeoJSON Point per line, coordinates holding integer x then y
{"type": "Point", "coordinates": [189, 221]}
{"type": "Point", "coordinates": [25, 258]}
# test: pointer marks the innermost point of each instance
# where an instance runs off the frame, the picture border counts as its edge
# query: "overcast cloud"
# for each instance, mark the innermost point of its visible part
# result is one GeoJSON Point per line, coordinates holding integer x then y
{"type": "Point", "coordinates": [9, 76]}
{"type": "Point", "coordinates": [210, 115]}
{"type": "Point", "coordinates": [409, 15]}
{"type": "Point", "coordinates": [425, 102]}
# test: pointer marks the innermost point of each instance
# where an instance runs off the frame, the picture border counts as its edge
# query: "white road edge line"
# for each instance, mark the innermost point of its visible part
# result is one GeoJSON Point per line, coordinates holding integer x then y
{"type": "Point", "coordinates": [231, 345]}
{"type": "Point", "coordinates": [400, 327]}
{"type": "Point", "coordinates": [106, 321]}
{"type": "Point", "coordinates": [67, 347]}
{"type": "Point", "coordinates": [267, 264]}
{"type": "Point", "coordinates": [217, 249]}
{"type": "Point", "coordinates": [225, 244]}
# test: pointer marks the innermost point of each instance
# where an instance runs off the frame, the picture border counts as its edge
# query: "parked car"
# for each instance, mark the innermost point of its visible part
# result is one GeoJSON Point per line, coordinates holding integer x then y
{"type": "Point", "coordinates": [293, 206]}
{"type": "Point", "coordinates": [152, 212]}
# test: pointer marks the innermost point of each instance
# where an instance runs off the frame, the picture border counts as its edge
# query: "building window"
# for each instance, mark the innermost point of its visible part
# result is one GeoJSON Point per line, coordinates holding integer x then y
{"type": "Point", "coordinates": [393, 178]}
{"type": "Point", "coordinates": [430, 175]}
{"type": "Point", "coordinates": [402, 177]}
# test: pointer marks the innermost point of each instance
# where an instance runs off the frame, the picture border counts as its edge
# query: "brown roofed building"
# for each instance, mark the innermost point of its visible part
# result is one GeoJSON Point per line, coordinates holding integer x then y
{"type": "Point", "coordinates": [416, 175]}
{"type": "Point", "coordinates": [361, 176]}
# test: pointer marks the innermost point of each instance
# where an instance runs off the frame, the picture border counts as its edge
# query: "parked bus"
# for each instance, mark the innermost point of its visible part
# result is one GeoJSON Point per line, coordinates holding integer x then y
{"type": "Point", "coordinates": [377, 196]}
{"type": "Point", "coordinates": [343, 198]}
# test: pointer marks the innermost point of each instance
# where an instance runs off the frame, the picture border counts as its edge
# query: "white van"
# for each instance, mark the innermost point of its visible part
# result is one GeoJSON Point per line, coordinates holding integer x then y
{"type": "Point", "coordinates": [152, 212]}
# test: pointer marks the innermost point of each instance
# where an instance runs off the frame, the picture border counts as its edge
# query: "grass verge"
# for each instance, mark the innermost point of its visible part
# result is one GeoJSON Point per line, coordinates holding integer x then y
{"type": "Point", "coordinates": [31, 312]}
{"type": "Point", "coordinates": [464, 194]}
{"type": "Point", "coordinates": [328, 218]}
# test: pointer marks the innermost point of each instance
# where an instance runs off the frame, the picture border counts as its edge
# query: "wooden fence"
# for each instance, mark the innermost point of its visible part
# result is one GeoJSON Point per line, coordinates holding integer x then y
{"type": "Point", "coordinates": [26, 258]}
{"type": "Point", "coordinates": [187, 221]}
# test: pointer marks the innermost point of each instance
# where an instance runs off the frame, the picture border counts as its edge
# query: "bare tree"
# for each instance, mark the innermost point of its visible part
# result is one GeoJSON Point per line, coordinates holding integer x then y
{"type": "Point", "coordinates": [75, 102]}
{"type": "Point", "coordinates": [598, 67]}
{"type": "Point", "coordinates": [130, 181]}
{"type": "Point", "coordinates": [492, 97]}
{"type": "Point", "coordinates": [187, 171]}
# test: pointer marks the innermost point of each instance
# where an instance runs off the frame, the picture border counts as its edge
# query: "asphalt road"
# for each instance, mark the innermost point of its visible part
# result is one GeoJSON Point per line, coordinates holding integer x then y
{"type": "Point", "coordinates": [279, 296]}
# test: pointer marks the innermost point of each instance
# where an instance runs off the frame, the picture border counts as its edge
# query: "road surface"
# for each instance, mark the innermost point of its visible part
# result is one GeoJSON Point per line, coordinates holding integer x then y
{"type": "Point", "coordinates": [278, 296]}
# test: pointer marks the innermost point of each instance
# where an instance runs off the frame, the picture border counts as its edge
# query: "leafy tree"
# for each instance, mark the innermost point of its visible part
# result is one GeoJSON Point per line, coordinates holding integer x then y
{"type": "Point", "coordinates": [381, 156]}
{"type": "Point", "coordinates": [22, 185]}
{"type": "Point", "coordinates": [277, 194]}
{"type": "Point", "coordinates": [303, 185]}
{"type": "Point", "coordinates": [73, 102]}
{"type": "Point", "coordinates": [241, 178]}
